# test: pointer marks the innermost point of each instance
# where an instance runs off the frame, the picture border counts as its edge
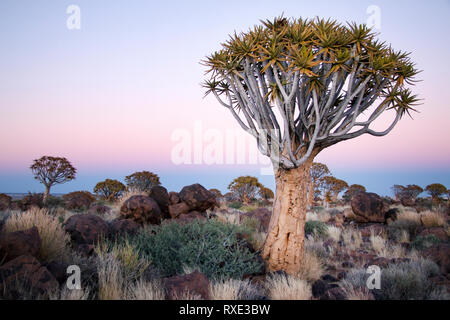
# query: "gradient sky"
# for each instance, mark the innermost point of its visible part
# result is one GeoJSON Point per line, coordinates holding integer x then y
{"type": "Point", "coordinates": [109, 96]}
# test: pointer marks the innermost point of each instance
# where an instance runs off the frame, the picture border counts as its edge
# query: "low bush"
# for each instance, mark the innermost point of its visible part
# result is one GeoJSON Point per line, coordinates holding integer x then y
{"type": "Point", "coordinates": [235, 205]}
{"type": "Point", "coordinates": [213, 247]}
{"type": "Point", "coordinates": [423, 242]}
{"type": "Point", "coordinates": [316, 228]}
{"type": "Point", "coordinates": [403, 281]}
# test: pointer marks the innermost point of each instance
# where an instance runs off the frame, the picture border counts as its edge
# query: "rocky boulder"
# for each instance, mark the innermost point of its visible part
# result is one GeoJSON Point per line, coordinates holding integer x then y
{"type": "Point", "coordinates": [86, 229]}
{"type": "Point", "coordinates": [195, 283]}
{"type": "Point", "coordinates": [262, 215]}
{"type": "Point", "coordinates": [141, 209]}
{"type": "Point", "coordinates": [123, 227]}
{"type": "Point", "coordinates": [189, 217]}
{"type": "Point", "coordinates": [173, 197]}
{"type": "Point", "coordinates": [5, 202]}
{"type": "Point", "coordinates": [438, 232]}
{"type": "Point", "coordinates": [197, 197]}
{"type": "Point", "coordinates": [441, 255]}
{"type": "Point", "coordinates": [98, 209]}
{"type": "Point", "coordinates": [161, 196]}
{"type": "Point", "coordinates": [175, 210]}
{"type": "Point", "coordinates": [26, 271]}
{"type": "Point", "coordinates": [18, 243]}
{"type": "Point", "coordinates": [368, 207]}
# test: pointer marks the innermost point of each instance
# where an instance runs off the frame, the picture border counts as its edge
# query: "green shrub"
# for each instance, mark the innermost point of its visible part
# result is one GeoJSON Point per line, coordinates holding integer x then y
{"type": "Point", "coordinates": [216, 249]}
{"type": "Point", "coordinates": [235, 205]}
{"type": "Point", "coordinates": [318, 209]}
{"type": "Point", "coordinates": [316, 228]}
{"type": "Point", "coordinates": [53, 202]}
{"type": "Point", "coordinates": [409, 281]}
{"type": "Point", "coordinates": [403, 281]}
{"type": "Point", "coordinates": [423, 242]}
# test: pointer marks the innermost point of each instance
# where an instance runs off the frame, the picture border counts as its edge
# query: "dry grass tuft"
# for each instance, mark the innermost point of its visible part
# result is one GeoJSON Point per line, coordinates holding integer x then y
{"type": "Point", "coordinates": [145, 290]}
{"type": "Point", "coordinates": [311, 267]}
{"type": "Point", "coordinates": [355, 293]}
{"type": "Point", "coordinates": [432, 219]}
{"type": "Point", "coordinates": [334, 233]}
{"type": "Point", "coordinates": [281, 287]}
{"type": "Point", "coordinates": [55, 240]}
{"type": "Point", "coordinates": [233, 289]}
{"type": "Point", "coordinates": [352, 239]}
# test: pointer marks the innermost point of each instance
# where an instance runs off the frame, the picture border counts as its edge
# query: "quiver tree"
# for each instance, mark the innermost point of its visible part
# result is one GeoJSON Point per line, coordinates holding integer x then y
{"type": "Point", "coordinates": [245, 188]}
{"type": "Point", "coordinates": [109, 189]}
{"type": "Point", "coordinates": [52, 170]}
{"type": "Point", "coordinates": [318, 171]}
{"type": "Point", "coordinates": [266, 193]}
{"type": "Point", "coordinates": [436, 190]}
{"type": "Point", "coordinates": [397, 190]}
{"type": "Point", "coordinates": [333, 186]}
{"type": "Point", "coordinates": [142, 181]}
{"type": "Point", "coordinates": [299, 87]}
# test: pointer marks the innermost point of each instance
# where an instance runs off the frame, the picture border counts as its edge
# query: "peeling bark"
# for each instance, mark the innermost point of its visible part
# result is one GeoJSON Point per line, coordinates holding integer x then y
{"type": "Point", "coordinates": [283, 249]}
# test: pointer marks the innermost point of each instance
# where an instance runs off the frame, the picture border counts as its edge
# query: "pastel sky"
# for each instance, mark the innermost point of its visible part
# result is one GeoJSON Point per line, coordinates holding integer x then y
{"type": "Point", "coordinates": [110, 96]}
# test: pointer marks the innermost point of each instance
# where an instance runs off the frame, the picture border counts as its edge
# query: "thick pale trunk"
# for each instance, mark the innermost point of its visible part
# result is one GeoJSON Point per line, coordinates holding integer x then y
{"type": "Point", "coordinates": [46, 194]}
{"type": "Point", "coordinates": [283, 249]}
{"type": "Point", "coordinates": [311, 188]}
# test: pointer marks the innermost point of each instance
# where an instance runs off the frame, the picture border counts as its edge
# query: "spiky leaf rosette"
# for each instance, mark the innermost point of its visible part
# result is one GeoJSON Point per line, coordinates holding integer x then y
{"type": "Point", "coordinates": [299, 86]}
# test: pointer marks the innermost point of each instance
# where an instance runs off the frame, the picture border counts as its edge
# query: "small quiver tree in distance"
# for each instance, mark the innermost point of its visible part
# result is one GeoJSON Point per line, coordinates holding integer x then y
{"type": "Point", "coordinates": [436, 190]}
{"type": "Point", "coordinates": [109, 190]}
{"type": "Point", "coordinates": [142, 181]}
{"type": "Point", "coordinates": [52, 170]}
{"type": "Point", "coordinates": [245, 188]}
{"type": "Point", "coordinates": [300, 86]}
{"type": "Point", "coordinates": [318, 171]}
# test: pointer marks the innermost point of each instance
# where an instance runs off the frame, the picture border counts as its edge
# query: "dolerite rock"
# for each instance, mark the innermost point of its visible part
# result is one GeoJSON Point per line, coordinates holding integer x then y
{"type": "Point", "coordinates": [319, 288]}
{"type": "Point", "coordinates": [141, 209]}
{"type": "Point", "coordinates": [18, 243]}
{"type": "Point", "coordinates": [189, 217]}
{"type": "Point", "coordinates": [5, 202]}
{"type": "Point", "coordinates": [98, 209]}
{"type": "Point", "coordinates": [175, 210]}
{"type": "Point", "coordinates": [197, 197]}
{"type": "Point", "coordinates": [441, 255]}
{"type": "Point", "coordinates": [262, 215]}
{"type": "Point", "coordinates": [26, 271]}
{"type": "Point", "coordinates": [368, 207]}
{"type": "Point", "coordinates": [86, 229]}
{"type": "Point", "coordinates": [58, 270]}
{"type": "Point", "coordinates": [123, 227]}
{"type": "Point", "coordinates": [334, 293]}
{"type": "Point", "coordinates": [195, 283]}
{"type": "Point", "coordinates": [161, 196]}
{"type": "Point", "coordinates": [438, 232]}
{"type": "Point", "coordinates": [174, 198]}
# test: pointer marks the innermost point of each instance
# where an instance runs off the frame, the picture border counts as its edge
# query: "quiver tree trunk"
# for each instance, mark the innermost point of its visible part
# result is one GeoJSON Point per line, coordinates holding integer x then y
{"type": "Point", "coordinates": [46, 194]}
{"type": "Point", "coordinates": [283, 249]}
{"type": "Point", "coordinates": [311, 188]}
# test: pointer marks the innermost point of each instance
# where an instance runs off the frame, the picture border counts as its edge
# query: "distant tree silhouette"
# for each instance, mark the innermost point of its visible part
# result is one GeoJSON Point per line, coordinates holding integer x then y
{"type": "Point", "coordinates": [142, 181]}
{"type": "Point", "coordinates": [52, 170]}
{"type": "Point", "coordinates": [109, 189]}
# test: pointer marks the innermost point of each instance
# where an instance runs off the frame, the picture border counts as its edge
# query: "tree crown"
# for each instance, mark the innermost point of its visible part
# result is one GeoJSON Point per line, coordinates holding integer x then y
{"type": "Point", "coordinates": [142, 181]}
{"type": "Point", "coordinates": [299, 86]}
{"type": "Point", "coordinates": [53, 170]}
{"type": "Point", "coordinates": [109, 189]}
